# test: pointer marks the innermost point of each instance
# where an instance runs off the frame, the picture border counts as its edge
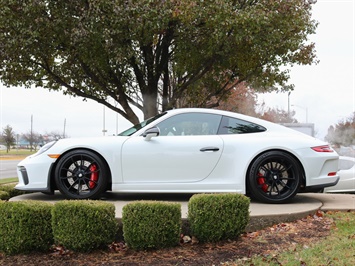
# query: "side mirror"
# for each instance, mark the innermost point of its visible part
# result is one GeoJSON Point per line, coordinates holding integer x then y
{"type": "Point", "coordinates": [150, 133]}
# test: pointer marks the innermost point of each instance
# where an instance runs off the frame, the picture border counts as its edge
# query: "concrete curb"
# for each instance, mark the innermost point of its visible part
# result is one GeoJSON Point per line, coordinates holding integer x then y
{"type": "Point", "coordinates": [261, 215]}
{"type": "Point", "coordinates": [264, 215]}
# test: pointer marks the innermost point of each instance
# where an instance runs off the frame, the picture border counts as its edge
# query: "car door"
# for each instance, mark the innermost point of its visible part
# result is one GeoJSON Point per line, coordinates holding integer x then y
{"type": "Point", "coordinates": [187, 150]}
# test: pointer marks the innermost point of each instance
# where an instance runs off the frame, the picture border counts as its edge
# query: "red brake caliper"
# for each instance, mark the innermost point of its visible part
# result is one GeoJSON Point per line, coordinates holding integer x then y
{"type": "Point", "coordinates": [261, 181]}
{"type": "Point", "coordinates": [94, 176]}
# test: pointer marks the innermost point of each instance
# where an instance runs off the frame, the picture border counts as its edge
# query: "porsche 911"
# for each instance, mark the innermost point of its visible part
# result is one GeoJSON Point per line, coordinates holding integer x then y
{"type": "Point", "coordinates": [188, 150]}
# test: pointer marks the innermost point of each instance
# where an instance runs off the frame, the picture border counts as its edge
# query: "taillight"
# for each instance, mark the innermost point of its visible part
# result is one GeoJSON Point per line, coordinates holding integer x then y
{"type": "Point", "coordinates": [323, 148]}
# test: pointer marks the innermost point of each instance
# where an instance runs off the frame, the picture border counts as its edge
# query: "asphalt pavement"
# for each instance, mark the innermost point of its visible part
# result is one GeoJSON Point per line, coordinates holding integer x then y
{"type": "Point", "coordinates": [261, 214]}
{"type": "Point", "coordinates": [8, 168]}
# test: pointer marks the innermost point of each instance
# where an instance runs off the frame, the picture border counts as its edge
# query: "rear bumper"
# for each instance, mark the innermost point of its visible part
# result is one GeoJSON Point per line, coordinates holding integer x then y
{"type": "Point", "coordinates": [317, 188]}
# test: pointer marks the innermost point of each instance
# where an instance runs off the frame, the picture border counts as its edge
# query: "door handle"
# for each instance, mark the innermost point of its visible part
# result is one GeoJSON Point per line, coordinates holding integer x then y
{"type": "Point", "coordinates": [209, 149]}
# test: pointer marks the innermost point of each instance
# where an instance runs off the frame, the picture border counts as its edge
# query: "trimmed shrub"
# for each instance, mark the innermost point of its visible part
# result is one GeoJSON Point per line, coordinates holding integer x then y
{"type": "Point", "coordinates": [151, 224]}
{"type": "Point", "coordinates": [84, 225]}
{"type": "Point", "coordinates": [10, 188]}
{"type": "Point", "coordinates": [215, 217]}
{"type": "Point", "coordinates": [4, 195]}
{"type": "Point", "coordinates": [25, 226]}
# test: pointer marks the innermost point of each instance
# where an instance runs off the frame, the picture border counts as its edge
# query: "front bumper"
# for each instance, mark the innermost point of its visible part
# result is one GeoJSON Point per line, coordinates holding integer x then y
{"type": "Point", "coordinates": [34, 174]}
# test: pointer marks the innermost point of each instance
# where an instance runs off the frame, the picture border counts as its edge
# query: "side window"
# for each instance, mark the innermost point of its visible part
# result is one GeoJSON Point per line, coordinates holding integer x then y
{"type": "Point", "coordinates": [190, 124]}
{"type": "Point", "coordinates": [231, 125]}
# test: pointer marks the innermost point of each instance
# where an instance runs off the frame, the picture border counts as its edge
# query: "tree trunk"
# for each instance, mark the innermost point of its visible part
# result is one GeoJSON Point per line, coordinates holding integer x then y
{"type": "Point", "coordinates": [150, 104]}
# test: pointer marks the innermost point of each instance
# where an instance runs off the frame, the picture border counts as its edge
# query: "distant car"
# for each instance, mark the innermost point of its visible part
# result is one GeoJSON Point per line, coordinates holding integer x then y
{"type": "Point", "coordinates": [185, 151]}
{"type": "Point", "coordinates": [347, 176]}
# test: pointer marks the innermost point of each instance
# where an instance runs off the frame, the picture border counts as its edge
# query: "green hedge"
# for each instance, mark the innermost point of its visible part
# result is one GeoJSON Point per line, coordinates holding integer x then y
{"type": "Point", "coordinates": [215, 217]}
{"type": "Point", "coordinates": [151, 224]}
{"type": "Point", "coordinates": [25, 226]}
{"type": "Point", "coordinates": [10, 189]}
{"type": "Point", "coordinates": [4, 195]}
{"type": "Point", "coordinates": [84, 225]}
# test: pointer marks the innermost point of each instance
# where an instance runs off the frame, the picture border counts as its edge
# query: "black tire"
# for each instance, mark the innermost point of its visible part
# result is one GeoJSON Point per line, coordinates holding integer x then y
{"type": "Point", "coordinates": [274, 177]}
{"type": "Point", "coordinates": [81, 174]}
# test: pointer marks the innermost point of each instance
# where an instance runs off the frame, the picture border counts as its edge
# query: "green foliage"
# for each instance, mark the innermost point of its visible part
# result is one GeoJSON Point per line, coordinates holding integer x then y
{"type": "Point", "coordinates": [214, 217]}
{"type": "Point", "coordinates": [151, 225]}
{"type": "Point", "coordinates": [84, 225]}
{"type": "Point", "coordinates": [162, 51]}
{"type": "Point", "coordinates": [25, 226]}
{"type": "Point", "coordinates": [10, 189]}
{"type": "Point", "coordinates": [4, 195]}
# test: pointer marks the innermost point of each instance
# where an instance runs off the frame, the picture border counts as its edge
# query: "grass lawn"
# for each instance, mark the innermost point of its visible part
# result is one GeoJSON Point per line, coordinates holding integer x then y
{"type": "Point", "coordinates": [338, 248]}
{"type": "Point", "coordinates": [8, 180]}
{"type": "Point", "coordinates": [15, 154]}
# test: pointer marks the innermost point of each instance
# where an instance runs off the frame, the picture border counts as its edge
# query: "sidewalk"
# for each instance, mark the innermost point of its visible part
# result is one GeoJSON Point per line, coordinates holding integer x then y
{"type": "Point", "coordinates": [261, 215]}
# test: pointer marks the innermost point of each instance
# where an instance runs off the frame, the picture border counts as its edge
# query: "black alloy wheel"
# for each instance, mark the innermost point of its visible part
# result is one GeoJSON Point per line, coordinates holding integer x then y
{"type": "Point", "coordinates": [81, 174]}
{"type": "Point", "coordinates": [274, 177]}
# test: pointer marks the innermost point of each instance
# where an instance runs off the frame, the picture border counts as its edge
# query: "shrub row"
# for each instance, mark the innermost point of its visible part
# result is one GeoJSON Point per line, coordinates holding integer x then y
{"type": "Point", "coordinates": [86, 225]}
{"type": "Point", "coordinates": [34, 226]}
{"type": "Point", "coordinates": [8, 191]}
{"type": "Point", "coordinates": [4, 195]}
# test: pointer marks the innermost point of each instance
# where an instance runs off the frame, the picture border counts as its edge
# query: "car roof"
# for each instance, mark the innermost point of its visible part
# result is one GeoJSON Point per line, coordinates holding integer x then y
{"type": "Point", "coordinates": [267, 124]}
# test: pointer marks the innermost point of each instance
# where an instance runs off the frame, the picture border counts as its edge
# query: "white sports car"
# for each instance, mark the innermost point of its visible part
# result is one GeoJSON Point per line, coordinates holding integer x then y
{"type": "Point", "coordinates": [186, 151]}
{"type": "Point", "coordinates": [347, 176]}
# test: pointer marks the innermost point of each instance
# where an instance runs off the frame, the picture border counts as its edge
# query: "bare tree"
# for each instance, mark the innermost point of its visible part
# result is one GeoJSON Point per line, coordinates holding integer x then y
{"type": "Point", "coordinates": [343, 133]}
{"type": "Point", "coordinates": [33, 138]}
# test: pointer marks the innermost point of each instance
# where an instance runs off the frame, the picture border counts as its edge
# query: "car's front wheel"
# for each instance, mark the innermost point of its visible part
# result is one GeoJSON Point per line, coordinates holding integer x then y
{"type": "Point", "coordinates": [274, 177]}
{"type": "Point", "coordinates": [81, 174]}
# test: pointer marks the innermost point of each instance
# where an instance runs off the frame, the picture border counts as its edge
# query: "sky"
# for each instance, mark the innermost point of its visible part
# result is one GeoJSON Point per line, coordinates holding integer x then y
{"type": "Point", "coordinates": [324, 94]}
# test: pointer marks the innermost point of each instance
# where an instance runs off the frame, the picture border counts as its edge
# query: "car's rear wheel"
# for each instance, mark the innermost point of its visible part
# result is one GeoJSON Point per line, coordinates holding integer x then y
{"type": "Point", "coordinates": [81, 174]}
{"type": "Point", "coordinates": [274, 177]}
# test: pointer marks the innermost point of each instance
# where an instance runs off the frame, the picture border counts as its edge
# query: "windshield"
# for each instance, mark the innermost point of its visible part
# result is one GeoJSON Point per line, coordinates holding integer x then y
{"type": "Point", "coordinates": [135, 128]}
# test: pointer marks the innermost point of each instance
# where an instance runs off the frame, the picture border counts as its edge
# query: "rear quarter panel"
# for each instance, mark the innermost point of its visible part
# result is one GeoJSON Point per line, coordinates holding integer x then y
{"type": "Point", "coordinates": [240, 151]}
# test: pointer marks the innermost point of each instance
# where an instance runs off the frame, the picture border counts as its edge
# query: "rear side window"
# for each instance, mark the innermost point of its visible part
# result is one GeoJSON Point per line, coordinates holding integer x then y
{"type": "Point", "coordinates": [230, 125]}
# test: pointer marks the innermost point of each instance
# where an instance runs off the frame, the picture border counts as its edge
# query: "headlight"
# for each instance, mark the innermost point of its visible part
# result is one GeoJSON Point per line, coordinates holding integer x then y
{"type": "Point", "coordinates": [46, 147]}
